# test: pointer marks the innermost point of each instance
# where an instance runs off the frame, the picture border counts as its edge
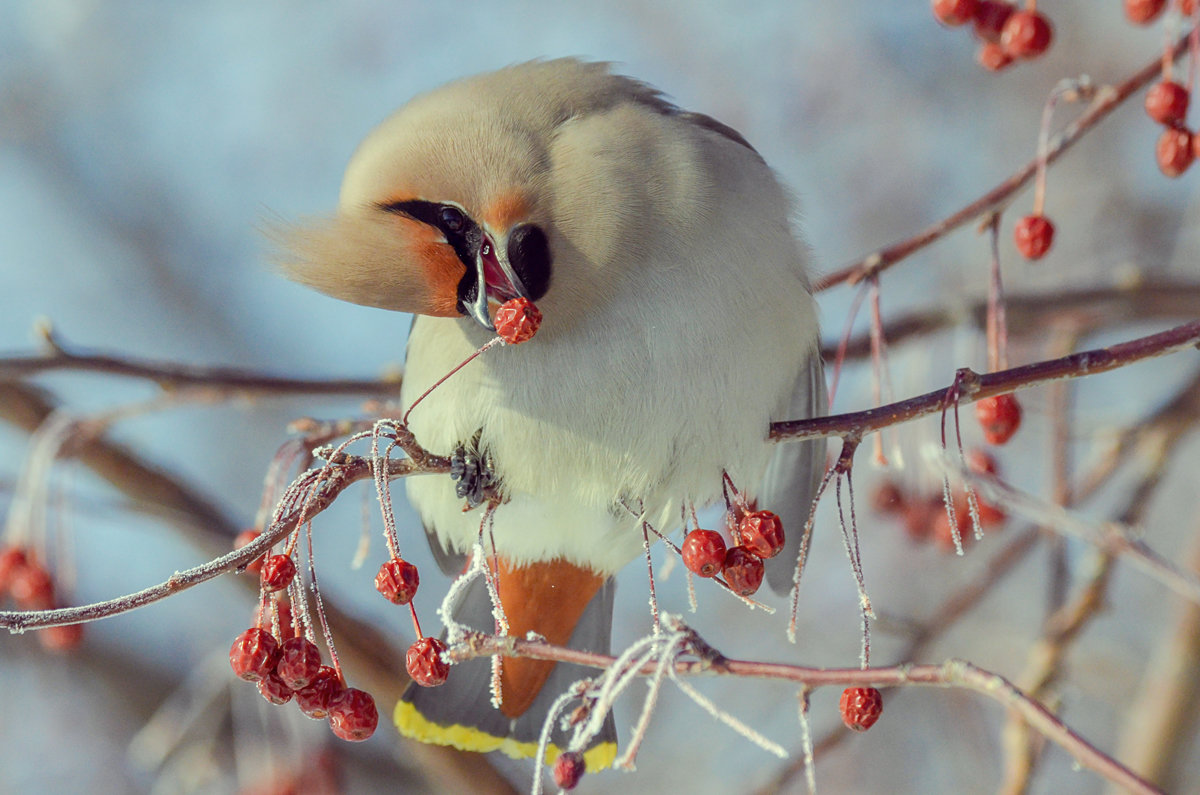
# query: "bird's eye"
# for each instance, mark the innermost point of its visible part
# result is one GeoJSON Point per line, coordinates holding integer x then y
{"type": "Point", "coordinates": [452, 219]}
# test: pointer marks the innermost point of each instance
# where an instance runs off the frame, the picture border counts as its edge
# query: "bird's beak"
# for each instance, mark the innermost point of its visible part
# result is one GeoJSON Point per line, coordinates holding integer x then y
{"type": "Point", "coordinates": [495, 280]}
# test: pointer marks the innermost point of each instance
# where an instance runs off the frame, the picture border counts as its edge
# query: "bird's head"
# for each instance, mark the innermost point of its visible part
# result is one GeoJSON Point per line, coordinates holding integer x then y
{"type": "Point", "coordinates": [440, 213]}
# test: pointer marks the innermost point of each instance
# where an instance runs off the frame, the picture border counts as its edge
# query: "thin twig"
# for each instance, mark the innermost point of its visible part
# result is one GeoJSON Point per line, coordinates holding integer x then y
{"type": "Point", "coordinates": [953, 673]}
{"type": "Point", "coordinates": [973, 386]}
{"type": "Point", "coordinates": [1107, 100]}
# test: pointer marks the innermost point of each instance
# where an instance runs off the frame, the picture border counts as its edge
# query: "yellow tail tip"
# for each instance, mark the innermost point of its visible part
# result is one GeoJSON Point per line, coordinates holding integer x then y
{"type": "Point", "coordinates": [414, 725]}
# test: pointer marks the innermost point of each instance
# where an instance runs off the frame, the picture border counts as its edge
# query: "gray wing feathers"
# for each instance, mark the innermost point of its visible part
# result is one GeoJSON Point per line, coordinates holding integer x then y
{"type": "Point", "coordinates": [794, 473]}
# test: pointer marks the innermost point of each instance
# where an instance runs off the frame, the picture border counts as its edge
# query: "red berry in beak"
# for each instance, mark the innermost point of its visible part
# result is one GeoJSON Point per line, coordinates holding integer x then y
{"type": "Point", "coordinates": [517, 320]}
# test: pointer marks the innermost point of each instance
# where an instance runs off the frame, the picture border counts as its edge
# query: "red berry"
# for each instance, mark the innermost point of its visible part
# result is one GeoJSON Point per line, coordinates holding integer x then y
{"type": "Point", "coordinates": [425, 664]}
{"type": "Point", "coordinates": [761, 532]}
{"type": "Point", "coordinates": [1143, 12]}
{"type": "Point", "coordinates": [1033, 234]}
{"type": "Point", "coordinates": [982, 461]}
{"type": "Point", "coordinates": [1187, 7]}
{"type": "Point", "coordinates": [1167, 103]}
{"type": "Point", "coordinates": [1174, 151]}
{"type": "Point", "coordinates": [278, 572]}
{"type": "Point", "coordinates": [397, 580]}
{"type": "Point", "coordinates": [1026, 34]}
{"type": "Point", "coordinates": [921, 517]}
{"type": "Point", "coordinates": [11, 560]}
{"type": "Point", "coordinates": [243, 538]}
{"type": "Point", "coordinates": [861, 707]}
{"type": "Point", "coordinates": [31, 587]}
{"type": "Point", "coordinates": [63, 638]}
{"type": "Point", "coordinates": [253, 654]}
{"type": "Point", "coordinates": [990, 18]}
{"type": "Point", "coordinates": [517, 320]}
{"type": "Point", "coordinates": [1000, 417]}
{"type": "Point", "coordinates": [941, 533]}
{"type": "Point", "coordinates": [993, 57]}
{"type": "Point", "coordinates": [704, 552]}
{"type": "Point", "coordinates": [352, 714]}
{"type": "Point", "coordinates": [990, 515]}
{"type": "Point", "coordinates": [888, 498]}
{"type": "Point", "coordinates": [568, 769]}
{"type": "Point", "coordinates": [274, 689]}
{"type": "Point", "coordinates": [299, 661]}
{"type": "Point", "coordinates": [955, 12]}
{"type": "Point", "coordinates": [313, 699]}
{"type": "Point", "coordinates": [743, 571]}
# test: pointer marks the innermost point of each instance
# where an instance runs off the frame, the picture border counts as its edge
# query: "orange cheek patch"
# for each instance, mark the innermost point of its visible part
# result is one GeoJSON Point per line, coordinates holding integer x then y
{"type": "Point", "coordinates": [547, 597]}
{"type": "Point", "coordinates": [508, 209]}
{"type": "Point", "coordinates": [440, 266]}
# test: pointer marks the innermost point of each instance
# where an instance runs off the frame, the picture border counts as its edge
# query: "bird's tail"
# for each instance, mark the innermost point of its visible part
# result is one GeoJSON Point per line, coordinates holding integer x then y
{"type": "Point", "coordinates": [460, 713]}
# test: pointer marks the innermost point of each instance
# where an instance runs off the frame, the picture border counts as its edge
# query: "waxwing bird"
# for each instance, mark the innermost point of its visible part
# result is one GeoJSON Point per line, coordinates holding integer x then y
{"type": "Point", "coordinates": [678, 323]}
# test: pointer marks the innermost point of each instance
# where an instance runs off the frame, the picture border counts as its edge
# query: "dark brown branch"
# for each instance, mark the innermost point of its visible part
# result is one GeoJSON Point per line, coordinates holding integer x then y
{"type": "Point", "coordinates": [155, 491]}
{"type": "Point", "coordinates": [972, 386]}
{"type": "Point", "coordinates": [1107, 100]}
{"type": "Point", "coordinates": [175, 375]}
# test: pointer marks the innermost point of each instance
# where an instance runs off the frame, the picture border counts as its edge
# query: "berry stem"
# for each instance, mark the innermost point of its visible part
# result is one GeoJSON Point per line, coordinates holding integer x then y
{"type": "Point", "coordinates": [383, 487]}
{"type": "Point", "coordinates": [838, 360]}
{"type": "Point", "coordinates": [881, 381]}
{"type": "Point", "coordinates": [416, 623]}
{"type": "Point", "coordinates": [490, 344]}
{"type": "Point", "coordinates": [1167, 54]}
{"type": "Point", "coordinates": [997, 322]}
{"type": "Point", "coordinates": [739, 499]}
{"type": "Point", "coordinates": [326, 632]}
{"type": "Point", "coordinates": [1193, 49]}
{"type": "Point", "coordinates": [650, 577]}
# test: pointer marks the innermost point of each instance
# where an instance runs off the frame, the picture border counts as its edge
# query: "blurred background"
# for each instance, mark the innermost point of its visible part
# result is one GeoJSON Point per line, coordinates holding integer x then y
{"type": "Point", "coordinates": [143, 146]}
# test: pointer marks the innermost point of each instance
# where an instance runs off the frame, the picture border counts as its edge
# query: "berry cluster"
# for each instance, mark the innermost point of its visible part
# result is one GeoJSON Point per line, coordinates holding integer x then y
{"type": "Point", "coordinates": [1167, 104]}
{"type": "Point", "coordinates": [292, 669]}
{"type": "Point", "coordinates": [1143, 12]}
{"type": "Point", "coordinates": [1006, 34]}
{"type": "Point", "coordinates": [287, 664]}
{"type": "Point", "coordinates": [758, 535]}
{"type": "Point", "coordinates": [25, 580]}
{"type": "Point", "coordinates": [926, 519]}
{"type": "Point", "coordinates": [397, 580]}
{"type": "Point", "coordinates": [1167, 101]}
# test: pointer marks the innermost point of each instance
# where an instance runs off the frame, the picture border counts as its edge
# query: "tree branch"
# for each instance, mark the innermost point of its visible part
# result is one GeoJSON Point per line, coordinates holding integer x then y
{"type": "Point", "coordinates": [953, 673]}
{"type": "Point", "coordinates": [970, 386]}
{"type": "Point", "coordinates": [1107, 100]}
{"type": "Point", "coordinates": [175, 375]}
